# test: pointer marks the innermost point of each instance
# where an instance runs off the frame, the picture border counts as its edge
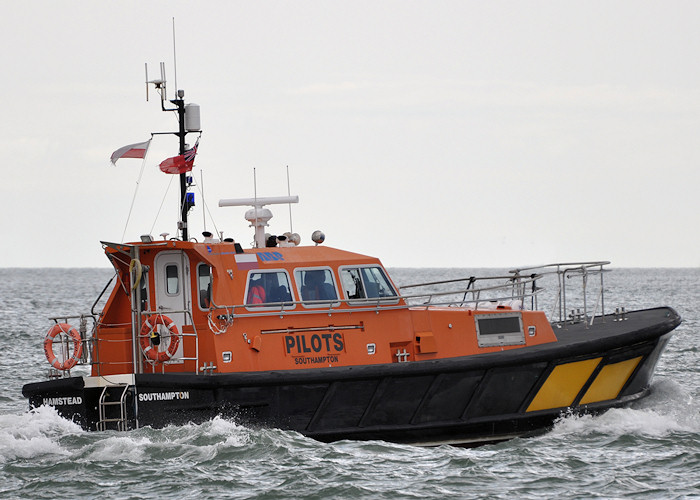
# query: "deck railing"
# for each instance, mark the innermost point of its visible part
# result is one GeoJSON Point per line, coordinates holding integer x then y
{"type": "Point", "coordinates": [523, 288]}
{"type": "Point", "coordinates": [466, 292]}
{"type": "Point", "coordinates": [571, 303]}
{"type": "Point", "coordinates": [509, 295]}
{"type": "Point", "coordinates": [91, 340]}
{"type": "Point", "coordinates": [86, 326]}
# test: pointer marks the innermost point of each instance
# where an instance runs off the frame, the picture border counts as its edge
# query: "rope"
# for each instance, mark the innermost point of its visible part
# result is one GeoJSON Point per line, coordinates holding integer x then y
{"type": "Point", "coordinates": [214, 328]}
{"type": "Point", "coordinates": [206, 207]}
{"type": "Point", "coordinates": [133, 199]}
{"type": "Point", "coordinates": [161, 203]}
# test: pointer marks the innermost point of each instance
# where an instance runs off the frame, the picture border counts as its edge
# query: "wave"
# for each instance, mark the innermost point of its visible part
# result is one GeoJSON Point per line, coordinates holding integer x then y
{"type": "Point", "coordinates": [34, 434]}
{"type": "Point", "coordinates": [669, 410]}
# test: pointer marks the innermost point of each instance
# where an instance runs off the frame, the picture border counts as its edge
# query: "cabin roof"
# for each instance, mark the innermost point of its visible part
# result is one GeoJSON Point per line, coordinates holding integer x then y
{"type": "Point", "coordinates": [266, 257]}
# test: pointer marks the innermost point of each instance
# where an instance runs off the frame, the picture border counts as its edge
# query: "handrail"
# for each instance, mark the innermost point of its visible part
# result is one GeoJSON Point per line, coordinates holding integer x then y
{"type": "Point", "coordinates": [560, 264]}
{"type": "Point", "coordinates": [518, 287]}
{"type": "Point", "coordinates": [96, 340]}
{"type": "Point", "coordinates": [567, 270]}
{"type": "Point", "coordinates": [92, 309]}
{"type": "Point", "coordinates": [470, 279]}
{"type": "Point", "coordinates": [86, 356]}
{"type": "Point", "coordinates": [478, 301]}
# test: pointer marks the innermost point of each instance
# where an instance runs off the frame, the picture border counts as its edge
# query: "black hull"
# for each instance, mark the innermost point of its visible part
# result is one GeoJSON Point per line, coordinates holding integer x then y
{"type": "Point", "coordinates": [481, 398]}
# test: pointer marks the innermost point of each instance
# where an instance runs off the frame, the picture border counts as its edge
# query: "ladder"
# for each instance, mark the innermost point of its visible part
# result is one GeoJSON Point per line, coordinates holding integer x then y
{"type": "Point", "coordinates": [113, 396]}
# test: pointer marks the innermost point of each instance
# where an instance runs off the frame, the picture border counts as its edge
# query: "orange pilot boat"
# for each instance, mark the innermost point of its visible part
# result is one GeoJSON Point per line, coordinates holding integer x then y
{"type": "Point", "coordinates": [321, 341]}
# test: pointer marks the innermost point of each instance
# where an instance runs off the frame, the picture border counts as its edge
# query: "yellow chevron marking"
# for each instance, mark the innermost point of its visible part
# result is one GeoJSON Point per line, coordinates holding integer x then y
{"type": "Point", "coordinates": [609, 382]}
{"type": "Point", "coordinates": [563, 384]}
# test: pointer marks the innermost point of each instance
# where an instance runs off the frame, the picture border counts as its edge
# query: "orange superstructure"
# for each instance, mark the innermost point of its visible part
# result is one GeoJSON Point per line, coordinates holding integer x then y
{"type": "Point", "coordinates": [224, 331]}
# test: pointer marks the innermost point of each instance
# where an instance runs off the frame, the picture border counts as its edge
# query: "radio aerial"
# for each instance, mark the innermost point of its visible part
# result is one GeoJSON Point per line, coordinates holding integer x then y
{"type": "Point", "coordinates": [158, 83]}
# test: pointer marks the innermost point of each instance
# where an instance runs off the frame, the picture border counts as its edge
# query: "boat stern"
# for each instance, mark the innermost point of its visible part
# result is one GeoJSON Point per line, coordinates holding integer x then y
{"type": "Point", "coordinates": [94, 403]}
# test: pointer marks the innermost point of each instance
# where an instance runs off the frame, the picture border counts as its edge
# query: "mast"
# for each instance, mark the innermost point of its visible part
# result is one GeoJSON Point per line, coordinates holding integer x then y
{"type": "Point", "coordinates": [180, 103]}
{"type": "Point", "coordinates": [185, 125]}
{"type": "Point", "coordinates": [184, 206]}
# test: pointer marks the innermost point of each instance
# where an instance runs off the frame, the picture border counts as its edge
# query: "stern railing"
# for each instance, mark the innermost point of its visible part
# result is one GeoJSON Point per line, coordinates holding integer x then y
{"type": "Point", "coordinates": [85, 322]}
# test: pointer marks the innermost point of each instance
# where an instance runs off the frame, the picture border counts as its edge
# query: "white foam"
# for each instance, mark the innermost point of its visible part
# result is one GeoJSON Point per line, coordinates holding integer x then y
{"type": "Point", "coordinates": [34, 434]}
{"type": "Point", "coordinates": [203, 440]}
{"type": "Point", "coordinates": [118, 448]}
{"type": "Point", "coordinates": [222, 426]}
{"type": "Point", "coordinates": [669, 409]}
{"type": "Point", "coordinates": [619, 421]}
{"type": "Point", "coordinates": [233, 434]}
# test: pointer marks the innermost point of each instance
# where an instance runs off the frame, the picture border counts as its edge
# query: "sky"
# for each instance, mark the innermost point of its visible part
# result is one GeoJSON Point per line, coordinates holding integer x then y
{"type": "Point", "coordinates": [426, 133]}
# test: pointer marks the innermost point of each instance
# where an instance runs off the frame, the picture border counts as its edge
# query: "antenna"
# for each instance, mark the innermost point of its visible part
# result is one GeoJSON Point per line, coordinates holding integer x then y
{"type": "Point", "coordinates": [159, 84]}
{"type": "Point", "coordinates": [255, 193]}
{"type": "Point", "coordinates": [204, 212]}
{"type": "Point", "coordinates": [174, 55]}
{"type": "Point", "coordinates": [182, 132]}
{"type": "Point", "coordinates": [164, 95]}
{"type": "Point", "coordinates": [289, 193]}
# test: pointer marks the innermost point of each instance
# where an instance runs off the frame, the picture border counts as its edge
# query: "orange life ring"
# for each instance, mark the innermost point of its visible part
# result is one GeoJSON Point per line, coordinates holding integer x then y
{"type": "Point", "coordinates": [77, 346]}
{"type": "Point", "coordinates": [149, 326]}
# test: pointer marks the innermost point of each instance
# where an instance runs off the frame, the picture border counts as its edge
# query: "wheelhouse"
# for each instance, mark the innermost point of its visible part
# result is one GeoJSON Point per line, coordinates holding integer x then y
{"type": "Point", "coordinates": [218, 294]}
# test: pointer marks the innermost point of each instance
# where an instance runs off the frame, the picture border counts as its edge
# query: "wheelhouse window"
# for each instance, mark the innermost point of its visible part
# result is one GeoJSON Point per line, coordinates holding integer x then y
{"type": "Point", "coordinates": [268, 287]}
{"type": "Point", "coordinates": [172, 280]}
{"type": "Point", "coordinates": [204, 281]}
{"type": "Point", "coordinates": [366, 283]}
{"type": "Point", "coordinates": [144, 290]}
{"type": "Point", "coordinates": [316, 285]}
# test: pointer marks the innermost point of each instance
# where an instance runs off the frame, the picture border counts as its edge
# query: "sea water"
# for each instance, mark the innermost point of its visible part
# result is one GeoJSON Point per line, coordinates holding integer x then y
{"type": "Point", "coordinates": [649, 450]}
